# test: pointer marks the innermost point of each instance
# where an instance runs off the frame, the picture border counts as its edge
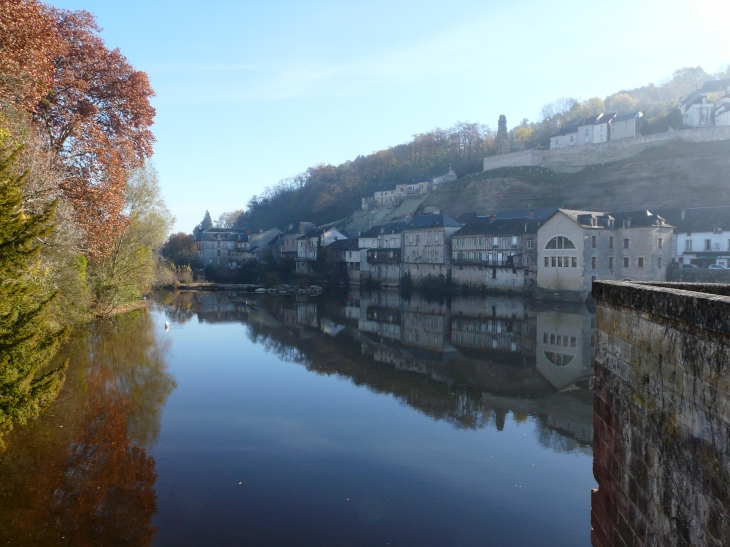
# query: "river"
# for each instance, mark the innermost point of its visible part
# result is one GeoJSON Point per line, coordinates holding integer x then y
{"type": "Point", "coordinates": [357, 420]}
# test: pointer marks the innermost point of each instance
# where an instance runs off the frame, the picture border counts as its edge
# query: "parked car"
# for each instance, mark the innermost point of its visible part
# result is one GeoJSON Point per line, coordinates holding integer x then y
{"type": "Point", "coordinates": [689, 266]}
{"type": "Point", "coordinates": [717, 267]}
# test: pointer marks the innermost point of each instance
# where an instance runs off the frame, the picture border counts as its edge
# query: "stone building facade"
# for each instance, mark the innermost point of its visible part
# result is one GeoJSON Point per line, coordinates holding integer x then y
{"type": "Point", "coordinates": [222, 246]}
{"type": "Point", "coordinates": [427, 244]}
{"type": "Point", "coordinates": [579, 247]}
{"type": "Point", "coordinates": [496, 254]}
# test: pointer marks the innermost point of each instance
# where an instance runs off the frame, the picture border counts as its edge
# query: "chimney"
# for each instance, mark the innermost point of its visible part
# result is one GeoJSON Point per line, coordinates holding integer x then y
{"type": "Point", "coordinates": [532, 214]}
{"type": "Point", "coordinates": [684, 213]}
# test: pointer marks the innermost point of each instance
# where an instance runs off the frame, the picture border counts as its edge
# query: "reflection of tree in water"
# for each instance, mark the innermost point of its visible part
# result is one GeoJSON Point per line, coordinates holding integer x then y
{"type": "Point", "coordinates": [80, 475]}
{"type": "Point", "coordinates": [180, 307]}
{"type": "Point", "coordinates": [128, 349]}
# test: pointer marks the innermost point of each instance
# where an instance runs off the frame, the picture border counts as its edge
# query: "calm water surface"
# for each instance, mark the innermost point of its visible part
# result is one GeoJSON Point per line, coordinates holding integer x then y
{"type": "Point", "coordinates": [359, 420]}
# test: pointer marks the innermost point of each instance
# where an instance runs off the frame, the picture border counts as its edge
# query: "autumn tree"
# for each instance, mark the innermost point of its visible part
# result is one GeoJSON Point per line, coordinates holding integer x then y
{"type": "Point", "coordinates": [97, 117]}
{"type": "Point", "coordinates": [181, 249]}
{"type": "Point", "coordinates": [131, 266]}
{"type": "Point", "coordinates": [29, 43]}
{"type": "Point", "coordinates": [229, 219]}
{"type": "Point", "coordinates": [29, 337]}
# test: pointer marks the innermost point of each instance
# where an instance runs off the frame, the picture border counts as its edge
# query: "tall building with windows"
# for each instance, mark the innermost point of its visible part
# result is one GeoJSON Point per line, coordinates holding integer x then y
{"type": "Point", "coordinates": [576, 248]}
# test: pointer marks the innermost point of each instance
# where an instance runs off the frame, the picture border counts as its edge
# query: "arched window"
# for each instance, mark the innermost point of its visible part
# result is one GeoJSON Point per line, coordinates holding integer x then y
{"type": "Point", "coordinates": [558, 359]}
{"type": "Point", "coordinates": [560, 242]}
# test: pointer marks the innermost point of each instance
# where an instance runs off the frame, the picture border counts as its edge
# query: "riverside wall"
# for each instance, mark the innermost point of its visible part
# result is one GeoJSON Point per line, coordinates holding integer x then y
{"type": "Point", "coordinates": [575, 158]}
{"type": "Point", "coordinates": [661, 415]}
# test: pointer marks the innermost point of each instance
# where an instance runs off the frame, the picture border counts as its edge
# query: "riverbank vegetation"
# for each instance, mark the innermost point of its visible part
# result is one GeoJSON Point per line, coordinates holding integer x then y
{"type": "Point", "coordinates": [81, 216]}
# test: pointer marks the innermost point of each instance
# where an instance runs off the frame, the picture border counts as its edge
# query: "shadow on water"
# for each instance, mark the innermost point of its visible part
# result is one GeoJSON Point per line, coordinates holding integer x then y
{"type": "Point", "coordinates": [80, 474]}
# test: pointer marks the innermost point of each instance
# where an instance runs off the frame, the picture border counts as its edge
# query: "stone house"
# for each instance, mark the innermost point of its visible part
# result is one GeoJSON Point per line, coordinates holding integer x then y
{"type": "Point", "coordinates": [391, 195]}
{"type": "Point", "coordinates": [261, 246]}
{"type": "Point", "coordinates": [626, 126]}
{"type": "Point", "coordinates": [288, 242]}
{"type": "Point", "coordinates": [309, 244]}
{"type": "Point", "coordinates": [426, 246]}
{"type": "Point", "coordinates": [577, 247]}
{"type": "Point", "coordinates": [336, 254]}
{"type": "Point", "coordinates": [223, 246]}
{"type": "Point", "coordinates": [701, 235]}
{"type": "Point", "coordinates": [698, 109]}
{"type": "Point", "coordinates": [384, 260]}
{"type": "Point", "coordinates": [496, 254]}
{"type": "Point", "coordinates": [566, 136]}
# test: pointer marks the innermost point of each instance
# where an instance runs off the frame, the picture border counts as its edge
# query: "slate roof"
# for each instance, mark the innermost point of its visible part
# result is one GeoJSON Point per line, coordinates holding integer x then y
{"type": "Point", "coordinates": [628, 116]}
{"type": "Point", "coordinates": [640, 218]}
{"type": "Point", "coordinates": [698, 219]}
{"type": "Point", "coordinates": [567, 129]}
{"type": "Point", "coordinates": [467, 217]}
{"type": "Point", "coordinates": [431, 221]}
{"type": "Point", "coordinates": [373, 231]}
{"type": "Point", "coordinates": [394, 228]}
{"type": "Point", "coordinates": [539, 213]}
{"type": "Point", "coordinates": [489, 226]}
{"type": "Point", "coordinates": [340, 245]}
{"type": "Point", "coordinates": [715, 85]}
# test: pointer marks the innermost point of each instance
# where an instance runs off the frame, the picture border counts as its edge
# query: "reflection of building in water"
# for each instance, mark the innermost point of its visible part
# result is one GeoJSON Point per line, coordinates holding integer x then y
{"type": "Point", "coordinates": [497, 324]}
{"type": "Point", "coordinates": [565, 340]}
{"type": "Point", "coordinates": [307, 314]}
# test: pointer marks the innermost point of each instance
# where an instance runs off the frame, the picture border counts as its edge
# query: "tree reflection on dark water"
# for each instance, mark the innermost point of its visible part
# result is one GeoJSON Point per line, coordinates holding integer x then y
{"type": "Point", "coordinates": [80, 475]}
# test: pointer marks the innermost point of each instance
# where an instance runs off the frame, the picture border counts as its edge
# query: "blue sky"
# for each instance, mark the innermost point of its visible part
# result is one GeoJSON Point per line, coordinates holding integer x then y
{"type": "Point", "coordinates": [249, 93]}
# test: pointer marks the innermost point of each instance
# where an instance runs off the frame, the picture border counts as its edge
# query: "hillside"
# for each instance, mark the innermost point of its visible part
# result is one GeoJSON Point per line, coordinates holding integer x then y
{"type": "Point", "coordinates": [679, 174]}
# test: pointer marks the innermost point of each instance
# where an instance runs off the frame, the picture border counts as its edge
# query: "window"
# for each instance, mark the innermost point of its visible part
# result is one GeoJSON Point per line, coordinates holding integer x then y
{"type": "Point", "coordinates": [610, 242]}
{"type": "Point", "coordinates": [594, 222]}
{"type": "Point", "coordinates": [410, 238]}
{"type": "Point", "coordinates": [554, 262]}
{"type": "Point", "coordinates": [495, 242]}
{"type": "Point", "coordinates": [574, 263]}
{"type": "Point", "coordinates": [436, 238]}
{"type": "Point", "coordinates": [560, 242]}
{"type": "Point", "coordinates": [514, 241]}
{"type": "Point", "coordinates": [460, 242]}
{"type": "Point", "coordinates": [547, 260]}
{"type": "Point", "coordinates": [560, 262]}
{"type": "Point", "coordinates": [558, 359]}
{"type": "Point", "coordinates": [527, 260]}
{"type": "Point", "coordinates": [610, 263]}
{"type": "Point", "coordinates": [626, 243]}
{"type": "Point", "coordinates": [594, 241]}
{"type": "Point", "coordinates": [626, 224]}
{"type": "Point", "coordinates": [593, 262]}
{"type": "Point", "coordinates": [708, 245]}
{"type": "Point", "coordinates": [717, 229]}
{"type": "Point", "coordinates": [659, 243]}
{"type": "Point", "coordinates": [531, 244]}
{"type": "Point", "coordinates": [659, 262]}
{"type": "Point", "coordinates": [640, 262]}
{"type": "Point", "coordinates": [626, 262]}
{"type": "Point", "coordinates": [687, 244]}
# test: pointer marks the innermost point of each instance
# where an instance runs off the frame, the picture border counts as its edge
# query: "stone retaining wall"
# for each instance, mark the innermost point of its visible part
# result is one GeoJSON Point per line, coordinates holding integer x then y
{"type": "Point", "coordinates": [661, 415]}
{"type": "Point", "coordinates": [577, 157]}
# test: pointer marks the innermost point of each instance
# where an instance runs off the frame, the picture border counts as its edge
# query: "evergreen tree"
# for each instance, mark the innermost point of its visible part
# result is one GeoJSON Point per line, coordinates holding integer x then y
{"type": "Point", "coordinates": [206, 223]}
{"type": "Point", "coordinates": [29, 336]}
{"type": "Point", "coordinates": [502, 128]}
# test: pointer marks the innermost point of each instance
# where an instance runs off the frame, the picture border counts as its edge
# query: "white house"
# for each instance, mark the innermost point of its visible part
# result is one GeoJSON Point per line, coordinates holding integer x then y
{"type": "Point", "coordinates": [702, 235]}
{"type": "Point", "coordinates": [626, 126]}
{"type": "Point", "coordinates": [722, 111]}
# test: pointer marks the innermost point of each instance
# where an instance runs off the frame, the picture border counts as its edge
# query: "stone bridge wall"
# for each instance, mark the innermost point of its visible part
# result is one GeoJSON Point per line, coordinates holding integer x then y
{"type": "Point", "coordinates": [662, 415]}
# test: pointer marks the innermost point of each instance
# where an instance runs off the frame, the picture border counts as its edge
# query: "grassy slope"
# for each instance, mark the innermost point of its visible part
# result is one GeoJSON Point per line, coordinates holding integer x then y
{"type": "Point", "coordinates": [676, 175]}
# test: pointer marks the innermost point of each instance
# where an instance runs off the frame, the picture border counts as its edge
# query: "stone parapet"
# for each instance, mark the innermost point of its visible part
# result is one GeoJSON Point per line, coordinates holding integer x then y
{"type": "Point", "coordinates": [661, 415]}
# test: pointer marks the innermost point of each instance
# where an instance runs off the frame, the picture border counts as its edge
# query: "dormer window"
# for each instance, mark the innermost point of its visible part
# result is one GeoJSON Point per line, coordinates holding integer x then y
{"type": "Point", "coordinates": [594, 222]}
{"type": "Point", "coordinates": [610, 223]}
{"type": "Point", "coordinates": [717, 229]}
{"type": "Point", "coordinates": [626, 224]}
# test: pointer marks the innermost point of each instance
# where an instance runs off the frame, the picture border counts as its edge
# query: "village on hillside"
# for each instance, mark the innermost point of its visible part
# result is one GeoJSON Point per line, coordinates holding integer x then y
{"type": "Point", "coordinates": [550, 251]}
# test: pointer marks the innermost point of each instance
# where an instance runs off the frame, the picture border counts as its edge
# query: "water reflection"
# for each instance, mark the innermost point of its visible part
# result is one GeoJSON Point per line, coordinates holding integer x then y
{"type": "Point", "coordinates": [470, 361]}
{"type": "Point", "coordinates": [81, 474]}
